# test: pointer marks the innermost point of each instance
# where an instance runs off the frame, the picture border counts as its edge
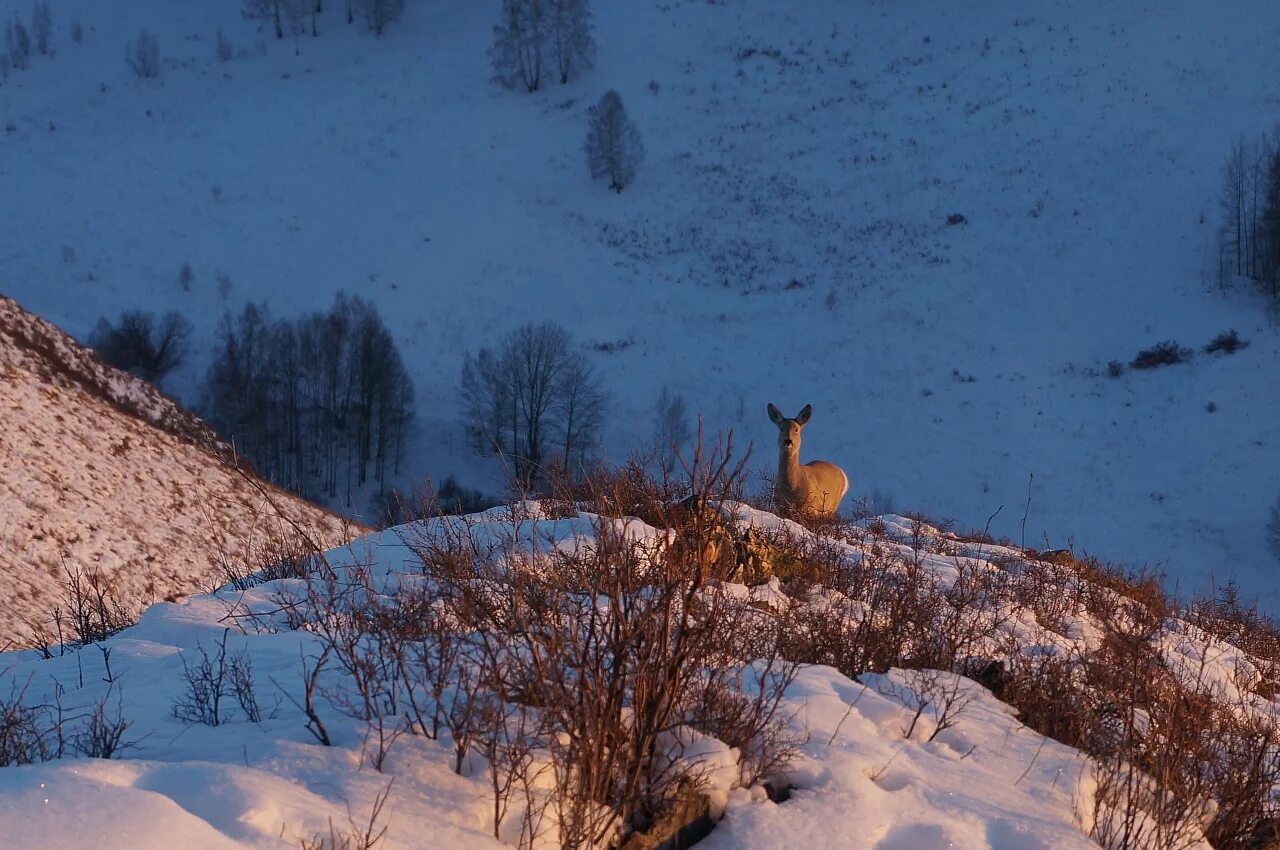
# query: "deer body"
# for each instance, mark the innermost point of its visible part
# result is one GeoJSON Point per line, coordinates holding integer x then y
{"type": "Point", "coordinates": [813, 487]}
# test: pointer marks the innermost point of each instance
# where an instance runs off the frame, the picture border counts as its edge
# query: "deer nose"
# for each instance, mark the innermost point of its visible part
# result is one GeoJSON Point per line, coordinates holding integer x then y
{"type": "Point", "coordinates": [787, 443]}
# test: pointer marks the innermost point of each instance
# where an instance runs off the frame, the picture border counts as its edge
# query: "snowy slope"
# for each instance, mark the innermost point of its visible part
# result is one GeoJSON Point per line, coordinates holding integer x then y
{"type": "Point", "coordinates": [986, 783]}
{"type": "Point", "coordinates": [786, 240]}
{"type": "Point", "coordinates": [100, 473]}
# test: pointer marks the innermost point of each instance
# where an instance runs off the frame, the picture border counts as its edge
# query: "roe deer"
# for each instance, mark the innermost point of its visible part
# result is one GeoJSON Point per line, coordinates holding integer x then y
{"type": "Point", "coordinates": [814, 487]}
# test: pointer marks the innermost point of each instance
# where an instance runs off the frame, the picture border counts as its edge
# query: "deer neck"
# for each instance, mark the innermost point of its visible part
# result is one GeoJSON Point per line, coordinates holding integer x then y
{"type": "Point", "coordinates": [789, 466]}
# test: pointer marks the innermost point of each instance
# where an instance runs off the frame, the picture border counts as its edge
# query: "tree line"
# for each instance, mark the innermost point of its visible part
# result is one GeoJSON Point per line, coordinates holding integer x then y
{"type": "Point", "coordinates": [323, 404]}
{"type": "Point", "coordinates": [319, 405]}
{"type": "Point", "coordinates": [1249, 240]}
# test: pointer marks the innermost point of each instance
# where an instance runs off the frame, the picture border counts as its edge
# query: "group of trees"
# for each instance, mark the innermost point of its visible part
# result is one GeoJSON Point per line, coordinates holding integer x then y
{"type": "Point", "coordinates": [534, 38]}
{"type": "Point", "coordinates": [20, 42]}
{"type": "Point", "coordinates": [535, 400]}
{"type": "Point", "coordinates": [1249, 242]}
{"type": "Point", "coordinates": [323, 404]}
{"type": "Point", "coordinates": [295, 16]}
{"type": "Point", "coordinates": [319, 404]}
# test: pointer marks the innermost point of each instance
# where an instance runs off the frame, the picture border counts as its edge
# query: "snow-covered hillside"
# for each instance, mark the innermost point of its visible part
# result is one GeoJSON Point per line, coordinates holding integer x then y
{"type": "Point", "coordinates": [786, 240]}
{"type": "Point", "coordinates": [101, 474]}
{"type": "Point", "coordinates": [867, 775]}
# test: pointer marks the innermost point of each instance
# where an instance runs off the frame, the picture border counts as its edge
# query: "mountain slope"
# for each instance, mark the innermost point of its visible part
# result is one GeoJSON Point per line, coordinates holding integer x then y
{"type": "Point", "coordinates": [786, 239]}
{"type": "Point", "coordinates": [100, 473]}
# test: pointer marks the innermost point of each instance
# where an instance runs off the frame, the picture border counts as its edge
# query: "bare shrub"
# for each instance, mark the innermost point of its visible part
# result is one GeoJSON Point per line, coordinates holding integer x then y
{"type": "Point", "coordinates": [212, 680]}
{"type": "Point", "coordinates": [266, 552]}
{"type": "Point", "coordinates": [103, 735]}
{"type": "Point", "coordinates": [143, 56]}
{"type": "Point", "coordinates": [141, 346]}
{"type": "Point", "coordinates": [610, 643]}
{"type": "Point", "coordinates": [740, 705]}
{"type": "Point", "coordinates": [28, 733]}
{"type": "Point", "coordinates": [356, 836]}
{"type": "Point", "coordinates": [311, 672]}
{"type": "Point", "coordinates": [1227, 342]}
{"type": "Point", "coordinates": [244, 689]}
{"type": "Point", "coordinates": [88, 613]}
{"type": "Point", "coordinates": [225, 52]}
{"type": "Point", "coordinates": [509, 739]}
{"type": "Point", "coordinates": [970, 617]}
{"type": "Point", "coordinates": [1163, 354]}
{"type": "Point", "coordinates": [943, 695]}
{"type": "Point", "coordinates": [358, 628]}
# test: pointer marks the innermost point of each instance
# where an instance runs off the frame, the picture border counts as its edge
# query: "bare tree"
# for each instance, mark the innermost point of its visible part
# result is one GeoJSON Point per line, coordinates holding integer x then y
{"type": "Point", "coordinates": [265, 10]}
{"type": "Point", "coordinates": [571, 44]}
{"type": "Point", "coordinates": [1234, 196]}
{"type": "Point", "coordinates": [1270, 227]}
{"type": "Point", "coordinates": [379, 14]}
{"type": "Point", "coordinates": [579, 411]}
{"type": "Point", "coordinates": [673, 429]}
{"type": "Point", "coordinates": [1258, 160]}
{"type": "Point", "coordinates": [18, 44]}
{"type": "Point", "coordinates": [613, 143]}
{"type": "Point", "coordinates": [520, 43]}
{"type": "Point", "coordinates": [296, 13]}
{"type": "Point", "coordinates": [143, 55]}
{"type": "Point", "coordinates": [224, 52]}
{"type": "Point", "coordinates": [532, 397]}
{"type": "Point", "coordinates": [1273, 529]}
{"type": "Point", "coordinates": [42, 27]}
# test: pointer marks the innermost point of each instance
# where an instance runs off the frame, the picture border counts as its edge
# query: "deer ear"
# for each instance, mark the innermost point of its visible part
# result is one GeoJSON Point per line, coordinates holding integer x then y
{"type": "Point", "coordinates": [775, 415]}
{"type": "Point", "coordinates": [803, 416]}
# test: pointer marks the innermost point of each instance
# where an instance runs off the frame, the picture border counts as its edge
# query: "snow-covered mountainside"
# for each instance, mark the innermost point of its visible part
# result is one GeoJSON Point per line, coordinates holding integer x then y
{"type": "Point", "coordinates": [871, 771]}
{"type": "Point", "coordinates": [786, 240]}
{"type": "Point", "coordinates": [102, 474]}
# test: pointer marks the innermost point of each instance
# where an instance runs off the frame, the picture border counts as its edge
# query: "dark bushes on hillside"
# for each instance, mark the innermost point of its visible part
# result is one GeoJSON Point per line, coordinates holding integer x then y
{"type": "Point", "coordinates": [137, 344]}
{"type": "Point", "coordinates": [1228, 342]}
{"type": "Point", "coordinates": [1164, 354]}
